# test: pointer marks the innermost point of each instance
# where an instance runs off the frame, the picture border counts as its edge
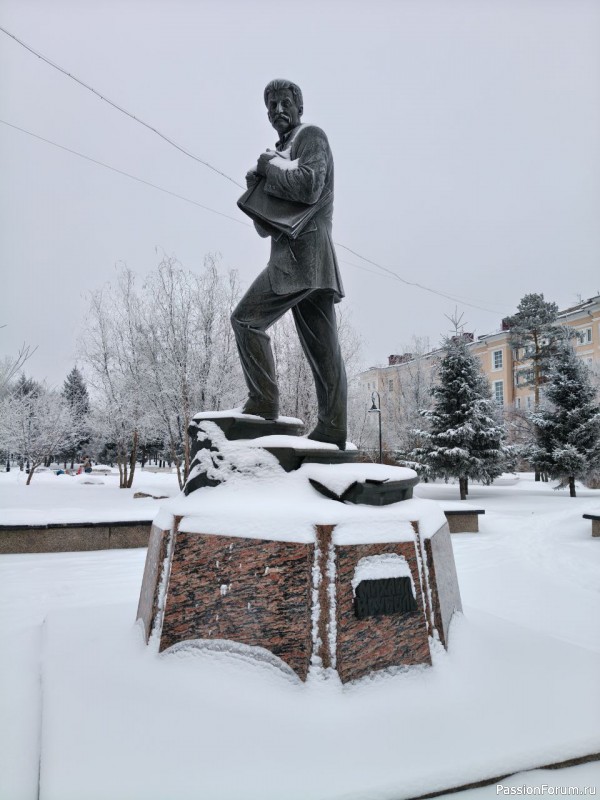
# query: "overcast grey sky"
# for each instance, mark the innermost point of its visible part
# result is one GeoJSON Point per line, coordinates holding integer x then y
{"type": "Point", "coordinates": [465, 135]}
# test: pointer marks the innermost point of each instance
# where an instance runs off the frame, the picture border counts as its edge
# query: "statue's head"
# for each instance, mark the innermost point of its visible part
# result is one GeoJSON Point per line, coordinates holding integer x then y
{"type": "Point", "coordinates": [284, 103]}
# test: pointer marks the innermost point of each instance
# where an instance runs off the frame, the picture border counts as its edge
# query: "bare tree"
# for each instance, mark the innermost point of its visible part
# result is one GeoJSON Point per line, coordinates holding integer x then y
{"type": "Point", "coordinates": [409, 395]}
{"type": "Point", "coordinates": [10, 366]}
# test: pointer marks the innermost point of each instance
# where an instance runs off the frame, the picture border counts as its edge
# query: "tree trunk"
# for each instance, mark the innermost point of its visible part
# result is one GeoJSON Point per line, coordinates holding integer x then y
{"type": "Point", "coordinates": [572, 486]}
{"type": "Point", "coordinates": [462, 485]}
{"type": "Point", "coordinates": [133, 459]}
{"type": "Point", "coordinates": [30, 475]}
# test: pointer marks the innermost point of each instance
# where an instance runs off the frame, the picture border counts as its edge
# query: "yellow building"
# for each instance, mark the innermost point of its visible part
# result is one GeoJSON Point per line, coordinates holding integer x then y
{"type": "Point", "coordinates": [507, 376]}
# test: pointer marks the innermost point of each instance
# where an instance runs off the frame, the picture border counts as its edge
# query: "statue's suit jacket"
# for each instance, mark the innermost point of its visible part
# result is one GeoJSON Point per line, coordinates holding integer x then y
{"type": "Point", "coordinates": [303, 173]}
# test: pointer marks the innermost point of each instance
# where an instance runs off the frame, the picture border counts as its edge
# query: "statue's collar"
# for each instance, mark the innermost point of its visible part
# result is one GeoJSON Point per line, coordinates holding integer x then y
{"type": "Point", "coordinates": [287, 139]}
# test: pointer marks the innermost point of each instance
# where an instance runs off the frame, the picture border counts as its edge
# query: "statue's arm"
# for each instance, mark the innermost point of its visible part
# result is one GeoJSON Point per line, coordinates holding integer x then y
{"type": "Point", "coordinates": [305, 181]}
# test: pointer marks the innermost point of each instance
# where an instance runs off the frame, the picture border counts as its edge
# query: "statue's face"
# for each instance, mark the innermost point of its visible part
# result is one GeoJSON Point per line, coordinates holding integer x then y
{"type": "Point", "coordinates": [283, 112]}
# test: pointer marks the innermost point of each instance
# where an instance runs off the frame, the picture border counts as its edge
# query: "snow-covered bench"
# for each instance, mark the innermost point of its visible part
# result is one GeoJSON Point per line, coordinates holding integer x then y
{"type": "Point", "coordinates": [462, 518]}
{"type": "Point", "coordinates": [595, 523]}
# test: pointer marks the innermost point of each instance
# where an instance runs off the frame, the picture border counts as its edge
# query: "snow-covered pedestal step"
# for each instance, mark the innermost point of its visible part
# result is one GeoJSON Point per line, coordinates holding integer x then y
{"type": "Point", "coordinates": [223, 442]}
{"type": "Point", "coordinates": [274, 565]}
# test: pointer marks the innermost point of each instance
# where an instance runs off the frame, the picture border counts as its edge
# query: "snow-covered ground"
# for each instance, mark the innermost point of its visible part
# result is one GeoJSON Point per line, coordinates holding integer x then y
{"type": "Point", "coordinates": [52, 498]}
{"type": "Point", "coordinates": [524, 660]}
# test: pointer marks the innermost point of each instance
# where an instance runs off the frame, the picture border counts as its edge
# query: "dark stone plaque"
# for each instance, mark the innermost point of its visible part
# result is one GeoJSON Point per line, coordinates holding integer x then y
{"type": "Point", "coordinates": [369, 492]}
{"type": "Point", "coordinates": [385, 596]}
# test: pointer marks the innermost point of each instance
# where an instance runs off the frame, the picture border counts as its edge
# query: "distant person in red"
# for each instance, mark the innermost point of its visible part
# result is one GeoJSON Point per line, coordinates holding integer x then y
{"type": "Point", "coordinates": [302, 273]}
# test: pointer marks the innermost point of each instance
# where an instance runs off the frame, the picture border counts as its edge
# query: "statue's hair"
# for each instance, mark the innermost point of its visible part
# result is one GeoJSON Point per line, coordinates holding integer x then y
{"type": "Point", "coordinates": [279, 84]}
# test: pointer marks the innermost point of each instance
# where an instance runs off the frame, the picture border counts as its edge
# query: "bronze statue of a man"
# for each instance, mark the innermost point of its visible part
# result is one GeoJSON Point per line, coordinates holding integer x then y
{"type": "Point", "coordinates": [302, 273]}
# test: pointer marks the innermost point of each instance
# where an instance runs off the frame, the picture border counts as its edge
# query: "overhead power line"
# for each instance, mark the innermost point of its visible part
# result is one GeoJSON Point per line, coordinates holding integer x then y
{"type": "Point", "coordinates": [119, 108]}
{"type": "Point", "coordinates": [388, 273]}
{"type": "Point", "coordinates": [51, 63]}
{"type": "Point", "coordinates": [186, 152]}
{"type": "Point", "coordinates": [122, 172]}
{"type": "Point", "coordinates": [414, 283]}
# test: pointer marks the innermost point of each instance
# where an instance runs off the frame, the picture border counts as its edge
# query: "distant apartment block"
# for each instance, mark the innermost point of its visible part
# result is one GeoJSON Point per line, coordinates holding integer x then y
{"type": "Point", "coordinates": [508, 376]}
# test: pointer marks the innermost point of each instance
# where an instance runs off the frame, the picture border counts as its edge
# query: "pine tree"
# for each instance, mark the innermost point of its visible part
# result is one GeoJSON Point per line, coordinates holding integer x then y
{"type": "Point", "coordinates": [464, 439]}
{"type": "Point", "coordinates": [533, 335]}
{"type": "Point", "coordinates": [75, 393]}
{"type": "Point", "coordinates": [568, 428]}
{"type": "Point", "coordinates": [26, 387]}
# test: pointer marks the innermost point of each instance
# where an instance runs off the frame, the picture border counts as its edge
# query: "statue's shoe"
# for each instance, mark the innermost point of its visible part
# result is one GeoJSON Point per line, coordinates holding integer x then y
{"type": "Point", "coordinates": [260, 410]}
{"type": "Point", "coordinates": [329, 436]}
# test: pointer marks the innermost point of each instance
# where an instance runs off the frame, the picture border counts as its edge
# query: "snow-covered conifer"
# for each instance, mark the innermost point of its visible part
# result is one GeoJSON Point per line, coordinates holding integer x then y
{"type": "Point", "coordinates": [464, 439]}
{"type": "Point", "coordinates": [568, 426]}
{"type": "Point", "coordinates": [76, 396]}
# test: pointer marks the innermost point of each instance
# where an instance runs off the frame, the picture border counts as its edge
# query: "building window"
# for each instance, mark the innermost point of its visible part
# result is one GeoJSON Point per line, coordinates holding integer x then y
{"type": "Point", "coordinates": [528, 401]}
{"type": "Point", "coordinates": [497, 360]}
{"type": "Point", "coordinates": [524, 376]}
{"type": "Point", "coordinates": [499, 392]}
{"type": "Point", "coordinates": [391, 385]}
{"type": "Point", "coordinates": [518, 402]}
{"type": "Point", "coordinates": [584, 335]}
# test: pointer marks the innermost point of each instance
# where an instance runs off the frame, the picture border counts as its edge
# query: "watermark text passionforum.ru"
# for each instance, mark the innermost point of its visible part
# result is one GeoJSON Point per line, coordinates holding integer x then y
{"type": "Point", "coordinates": [545, 788]}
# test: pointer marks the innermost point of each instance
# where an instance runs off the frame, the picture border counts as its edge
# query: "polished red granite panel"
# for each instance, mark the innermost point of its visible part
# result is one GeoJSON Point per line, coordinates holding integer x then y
{"type": "Point", "coordinates": [366, 645]}
{"type": "Point", "coordinates": [252, 591]}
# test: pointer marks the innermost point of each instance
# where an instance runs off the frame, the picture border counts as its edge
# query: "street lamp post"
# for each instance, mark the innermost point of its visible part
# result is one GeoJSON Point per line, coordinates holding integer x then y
{"type": "Point", "coordinates": [376, 409]}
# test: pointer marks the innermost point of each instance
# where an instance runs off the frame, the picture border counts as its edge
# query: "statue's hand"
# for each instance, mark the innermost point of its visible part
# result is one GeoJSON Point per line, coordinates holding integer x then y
{"type": "Point", "coordinates": [252, 178]}
{"type": "Point", "coordinates": [263, 160]}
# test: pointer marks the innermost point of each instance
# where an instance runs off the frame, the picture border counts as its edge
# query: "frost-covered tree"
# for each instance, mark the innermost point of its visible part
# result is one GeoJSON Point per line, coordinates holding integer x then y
{"type": "Point", "coordinates": [158, 354]}
{"type": "Point", "coordinates": [568, 426]}
{"type": "Point", "coordinates": [34, 425]}
{"type": "Point", "coordinates": [188, 348]}
{"type": "Point", "coordinates": [112, 351]}
{"type": "Point", "coordinates": [464, 438]}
